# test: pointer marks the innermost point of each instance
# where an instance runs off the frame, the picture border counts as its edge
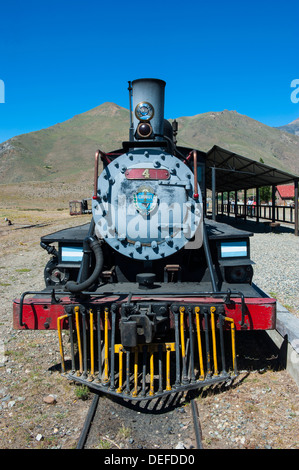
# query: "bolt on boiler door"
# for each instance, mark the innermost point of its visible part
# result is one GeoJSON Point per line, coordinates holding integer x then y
{"type": "Point", "coordinates": [145, 208]}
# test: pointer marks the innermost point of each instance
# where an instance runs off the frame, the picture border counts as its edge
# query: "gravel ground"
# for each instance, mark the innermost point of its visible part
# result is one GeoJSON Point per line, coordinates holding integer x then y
{"type": "Point", "coordinates": [276, 269]}
{"type": "Point", "coordinates": [41, 410]}
{"type": "Point", "coordinates": [276, 258]}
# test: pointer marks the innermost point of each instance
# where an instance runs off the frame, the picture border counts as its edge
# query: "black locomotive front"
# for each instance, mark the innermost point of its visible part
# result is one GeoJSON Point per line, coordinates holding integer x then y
{"type": "Point", "coordinates": [150, 290]}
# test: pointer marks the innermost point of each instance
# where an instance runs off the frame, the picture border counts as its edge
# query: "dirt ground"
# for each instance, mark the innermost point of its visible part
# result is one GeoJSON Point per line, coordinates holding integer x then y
{"type": "Point", "coordinates": [39, 409]}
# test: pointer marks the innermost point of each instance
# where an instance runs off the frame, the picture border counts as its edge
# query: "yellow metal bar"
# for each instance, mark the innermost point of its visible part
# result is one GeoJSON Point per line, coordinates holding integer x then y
{"type": "Point", "coordinates": [168, 350]}
{"type": "Point", "coordinates": [212, 310]}
{"type": "Point", "coordinates": [151, 372]}
{"type": "Point", "coordinates": [91, 342]}
{"type": "Point", "coordinates": [232, 327]}
{"type": "Point", "coordinates": [182, 311]}
{"type": "Point", "coordinates": [135, 371]}
{"type": "Point", "coordinates": [119, 349]}
{"type": "Point", "coordinates": [197, 310]}
{"type": "Point", "coordinates": [59, 329]}
{"type": "Point", "coordinates": [76, 309]}
{"type": "Point", "coordinates": [106, 346]}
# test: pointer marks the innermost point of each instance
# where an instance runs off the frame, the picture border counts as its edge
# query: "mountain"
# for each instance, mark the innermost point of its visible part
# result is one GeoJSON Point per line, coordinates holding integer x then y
{"type": "Point", "coordinates": [292, 128]}
{"type": "Point", "coordinates": [65, 152]}
{"type": "Point", "coordinates": [242, 135]}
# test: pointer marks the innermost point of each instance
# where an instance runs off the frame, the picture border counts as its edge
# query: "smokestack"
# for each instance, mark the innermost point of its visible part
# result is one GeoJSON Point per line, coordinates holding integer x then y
{"type": "Point", "coordinates": [148, 107]}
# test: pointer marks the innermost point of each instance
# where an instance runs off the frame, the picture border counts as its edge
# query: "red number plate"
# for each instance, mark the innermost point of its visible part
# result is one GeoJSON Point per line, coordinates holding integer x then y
{"type": "Point", "coordinates": [147, 174]}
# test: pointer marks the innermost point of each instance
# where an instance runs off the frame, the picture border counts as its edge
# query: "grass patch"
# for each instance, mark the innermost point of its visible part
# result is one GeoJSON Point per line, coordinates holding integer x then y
{"type": "Point", "coordinates": [82, 392]}
{"type": "Point", "coordinates": [124, 432]}
{"type": "Point", "coordinates": [104, 444]}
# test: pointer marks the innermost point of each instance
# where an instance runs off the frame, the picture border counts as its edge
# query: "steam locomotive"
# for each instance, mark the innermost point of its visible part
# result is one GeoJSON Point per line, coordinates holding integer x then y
{"type": "Point", "coordinates": [151, 292]}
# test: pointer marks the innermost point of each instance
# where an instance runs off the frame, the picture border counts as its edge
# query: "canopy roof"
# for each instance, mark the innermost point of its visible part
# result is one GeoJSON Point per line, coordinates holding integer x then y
{"type": "Point", "coordinates": [235, 172]}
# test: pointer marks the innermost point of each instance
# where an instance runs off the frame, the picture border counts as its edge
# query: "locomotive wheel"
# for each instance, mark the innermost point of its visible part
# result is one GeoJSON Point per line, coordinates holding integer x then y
{"type": "Point", "coordinates": [53, 275]}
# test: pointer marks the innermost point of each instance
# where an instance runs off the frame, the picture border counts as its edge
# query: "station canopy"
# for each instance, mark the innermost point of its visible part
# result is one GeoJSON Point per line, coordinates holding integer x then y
{"type": "Point", "coordinates": [235, 172]}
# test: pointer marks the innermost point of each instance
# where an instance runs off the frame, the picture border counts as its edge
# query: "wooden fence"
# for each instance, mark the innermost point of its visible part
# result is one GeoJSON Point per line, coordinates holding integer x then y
{"type": "Point", "coordinates": [284, 214]}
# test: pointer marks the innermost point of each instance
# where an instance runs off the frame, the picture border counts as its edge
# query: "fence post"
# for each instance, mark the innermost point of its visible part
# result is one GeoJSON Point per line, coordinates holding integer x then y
{"type": "Point", "coordinates": [273, 202]}
{"type": "Point", "coordinates": [257, 200]}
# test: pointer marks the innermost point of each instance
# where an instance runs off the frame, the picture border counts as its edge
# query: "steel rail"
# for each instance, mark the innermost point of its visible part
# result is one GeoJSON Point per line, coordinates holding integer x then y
{"type": "Point", "coordinates": [88, 421]}
{"type": "Point", "coordinates": [196, 423]}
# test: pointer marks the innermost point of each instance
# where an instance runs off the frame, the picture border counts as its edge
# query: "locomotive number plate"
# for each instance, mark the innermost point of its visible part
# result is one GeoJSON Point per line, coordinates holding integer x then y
{"type": "Point", "coordinates": [147, 174]}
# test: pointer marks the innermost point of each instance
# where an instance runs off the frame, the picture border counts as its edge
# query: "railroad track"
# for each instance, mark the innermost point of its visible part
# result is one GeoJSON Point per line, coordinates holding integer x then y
{"type": "Point", "coordinates": [150, 422]}
{"type": "Point", "coordinates": [88, 421]}
{"type": "Point", "coordinates": [196, 424]}
{"type": "Point", "coordinates": [125, 411]}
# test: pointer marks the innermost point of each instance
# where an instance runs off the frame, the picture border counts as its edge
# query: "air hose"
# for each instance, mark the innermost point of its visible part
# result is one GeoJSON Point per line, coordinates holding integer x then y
{"type": "Point", "coordinates": [50, 249]}
{"type": "Point", "coordinates": [95, 246]}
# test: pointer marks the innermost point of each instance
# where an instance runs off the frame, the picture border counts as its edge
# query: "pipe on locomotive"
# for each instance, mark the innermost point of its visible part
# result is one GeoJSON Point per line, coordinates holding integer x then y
{"type": "Point", "coordinates": [131, 131]}
{"type": "Point", "coordinates": [95, 246]}
{"type": "Point", "coordinates": [195, 195]}
{"type": "Point", "coordinates": [96, 172]}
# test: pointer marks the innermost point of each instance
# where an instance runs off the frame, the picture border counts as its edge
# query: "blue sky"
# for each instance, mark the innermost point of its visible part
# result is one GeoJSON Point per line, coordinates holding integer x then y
{"type": "Point", "coordinates": [61, 58]}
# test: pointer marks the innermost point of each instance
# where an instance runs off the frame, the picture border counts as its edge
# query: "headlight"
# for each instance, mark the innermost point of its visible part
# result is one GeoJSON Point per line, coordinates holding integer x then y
{"type": "Point", "coordinates": [144, 129]}
{"type": "Point", "coordinates": [238, 274]}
